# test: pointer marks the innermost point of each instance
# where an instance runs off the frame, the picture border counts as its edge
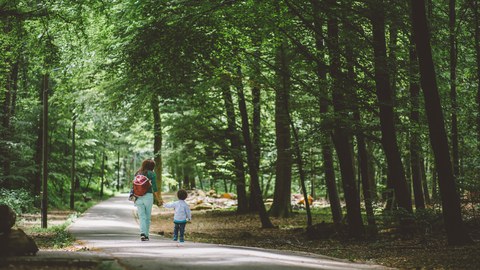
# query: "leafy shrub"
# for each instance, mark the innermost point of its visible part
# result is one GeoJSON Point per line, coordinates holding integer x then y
{"type": "Point", "coordinates": [20, 200]}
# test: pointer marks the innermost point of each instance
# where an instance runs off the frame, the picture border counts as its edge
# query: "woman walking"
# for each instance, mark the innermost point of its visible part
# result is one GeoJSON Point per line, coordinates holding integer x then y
{"type": "Point", "coordinates": [144, 203]}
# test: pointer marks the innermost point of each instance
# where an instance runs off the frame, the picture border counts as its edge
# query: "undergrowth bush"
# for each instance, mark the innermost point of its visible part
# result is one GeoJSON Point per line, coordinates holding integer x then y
{"type": "Point", "coordinates": [20, 200]}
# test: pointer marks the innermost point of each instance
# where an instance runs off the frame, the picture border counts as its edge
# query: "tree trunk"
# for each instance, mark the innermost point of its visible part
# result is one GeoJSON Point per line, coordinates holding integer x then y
{"type": "Point", "coordinates": [301, 171]}
{"type": "Point", "coordinates": [456, 233]}
{"type": "Point", "coordinates": [256, 125]}
{"type": "Point", "coordinates": [476, 16]}
{"type": "Point", "coordinates": [426, 192]}
{"type": "Point", "coordinates": [72, 187]}
{"type": "Point", "coordinates": [14, 88]}
{"type": "Point", "coordinates": [342, 139]}
{"type": "Point", "coordinates": [118, 170]}
{"type": "Point", "coordinates": [157, 143]}
{"type": "Point", "coordinates": [281, 206]}
{"type": "Point", "coordinates": [236, 149]}
{"type": "Point", "coordinates": [254, 179]}
{"type": "Point", "coordinates": [387, 118]}
{"type": "Point", "coordinates": [361, 145]}
{"type": "Point", "coordinates": [102, 174]}
{"type": "Point", "coordinates": [45, 151]}
{"type": "Point", "coordinates": [415, 146]}
{"type": "Point", "coordinates": [326, 140]}
{"type": "Point", "coordinates": [5, 131]}
{"type": "Point", "coordinates": [453, 89]}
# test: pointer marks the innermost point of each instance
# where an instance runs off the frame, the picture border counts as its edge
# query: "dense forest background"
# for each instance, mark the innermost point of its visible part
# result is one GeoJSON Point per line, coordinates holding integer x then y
{"type": "Point", "coordinates": [365, 103]}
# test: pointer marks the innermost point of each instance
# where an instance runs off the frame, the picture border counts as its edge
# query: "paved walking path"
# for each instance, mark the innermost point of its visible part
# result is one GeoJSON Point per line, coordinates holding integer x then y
{"type": "Point", "coordinates": [110, 228]}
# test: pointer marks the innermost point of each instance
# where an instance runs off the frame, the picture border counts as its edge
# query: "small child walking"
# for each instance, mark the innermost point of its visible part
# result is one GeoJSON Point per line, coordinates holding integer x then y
{"type": "Point", "coordinates": [181, 217]}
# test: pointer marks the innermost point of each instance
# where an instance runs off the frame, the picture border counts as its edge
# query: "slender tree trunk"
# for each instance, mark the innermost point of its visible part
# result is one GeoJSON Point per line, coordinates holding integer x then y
{"type": "Point", "coordinates": [118, 170]}
{"type": "Point", "coordinates": [453, 89]}
{"type": "Point", "coordinates": [326, 140]}
{"type": "Point", "coordinates": [387, 118]}
{"type": "Point", "coordinates": [301, 171]}
{"type": "Point", "coordinates": [456, 233]}
{"type": "Point", "coordinates": [14, 88]}
{"type": "Point", "coordinates": [157, 143]}
{"type": "Point", "coordinates": [45, 151]}
{"type": "Point", "coordinates": [5, 131]}
{"type": "Point", "coordinates": [281, 206]}
{"type": "Point", "coordinates": [361, 145]}
{"type": "Point", "coordinates": [256, 125]}
{"type": "Point", "coordinates": [254, 179]}
{"type": "Point", "coordinates": [415, 146]}
{"type": "Point", "coordinates": [72, 187]}
{"type": "Point", "coordinates": [476, 17]}
{"type": "Point", "coordinates": [102, 174]}
{"type": "Point", "coordinates": [342, 139]}
{"type": "Point", "coordinates": [236, 149]}
{"type": "Point", "coordinates": [426, 192]}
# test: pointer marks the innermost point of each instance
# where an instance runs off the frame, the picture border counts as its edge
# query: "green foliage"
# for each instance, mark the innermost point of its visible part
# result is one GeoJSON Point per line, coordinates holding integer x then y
{"type": "Point", "coordinates": [20, 200]}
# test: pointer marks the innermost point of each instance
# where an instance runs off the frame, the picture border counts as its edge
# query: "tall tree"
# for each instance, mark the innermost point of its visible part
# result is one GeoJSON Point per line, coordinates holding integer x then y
{"type": "Point", "coordinates": [343, 140]}
{"type": "Point", "coordinates": [326, 139]}
{"type": "Point", "coordinates": [453, 87]}
{"type": "Point", "coordinates": [236, 150]}
{"type": "Point", "coordinates": [415, 146]}
{"type": "Point", "coordinates": [157, 144]}
{"type": "Point", "coordinates": [452, 216]}
{"type": "Point", "coordinates": [254, 179]}
{"type": "Point", "coordinates": [385, 100]}
{"type": "Point", "coordinates": [281, 206]}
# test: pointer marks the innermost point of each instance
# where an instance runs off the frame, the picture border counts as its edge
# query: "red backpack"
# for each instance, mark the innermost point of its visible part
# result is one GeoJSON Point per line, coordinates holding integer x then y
{"type": "Point", "coordinates": [141, 184]}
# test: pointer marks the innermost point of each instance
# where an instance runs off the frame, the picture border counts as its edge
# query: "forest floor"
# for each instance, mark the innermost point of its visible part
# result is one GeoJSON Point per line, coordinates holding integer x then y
{"type": "Point", "coordinates": [388, 249]}
{"type": "Point", "coordinates": [224, 226]}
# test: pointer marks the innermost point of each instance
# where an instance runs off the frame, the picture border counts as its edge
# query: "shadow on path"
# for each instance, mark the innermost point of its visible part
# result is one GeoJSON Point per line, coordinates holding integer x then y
{"type": "Point", "coordinates": [110, 228]}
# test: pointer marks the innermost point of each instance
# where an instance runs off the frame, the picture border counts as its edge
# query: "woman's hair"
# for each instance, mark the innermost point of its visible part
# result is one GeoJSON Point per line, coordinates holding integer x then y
{"type": "Point", "coordinates": [182, 194]}
{"type": "Point", "coordinates": [147, 165]}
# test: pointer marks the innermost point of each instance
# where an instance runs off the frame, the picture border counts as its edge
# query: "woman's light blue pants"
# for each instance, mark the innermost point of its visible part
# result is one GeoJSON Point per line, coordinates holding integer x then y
{"type": "Point", "coordinates": [144, 208]}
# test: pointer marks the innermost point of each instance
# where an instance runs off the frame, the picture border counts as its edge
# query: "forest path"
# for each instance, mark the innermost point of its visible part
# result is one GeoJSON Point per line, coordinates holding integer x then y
{"type": "Point", "coordinates": [110, 228]}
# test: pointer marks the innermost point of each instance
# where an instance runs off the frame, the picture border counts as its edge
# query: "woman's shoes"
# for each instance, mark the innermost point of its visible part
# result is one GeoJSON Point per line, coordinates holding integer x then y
{"type": "Point", "coordinates": [143, 237]}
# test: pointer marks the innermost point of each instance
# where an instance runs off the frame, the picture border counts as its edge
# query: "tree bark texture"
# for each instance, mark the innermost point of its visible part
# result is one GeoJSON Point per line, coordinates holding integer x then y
{"type": "Point", "coordinates": [327, 151]}
{"type": "Point", "coordinates": [342, 139]}
{"type": "Point", "coordinates": [73, 172]}
{"type": "Point", "coordinates": [45, 150]}
{"type": "Point", "coordinates": [476, 16]}
{"type": "Point", "coordinates": [415, 146]}
{"type": "Point", "coordinates": [453, 88]}
{"type": "Point", "coordinates": [456, 233]}
{"type": "Point", "coordinates": [157, 142]}
{"type": "Point", "coordinates": [281, 206]}
{"type": "Point", "coordinates": [236, 149]}
{"type": "Point", "coordinates": [254, 179]}
{"type": "Point", "coordinates": [387, 117]}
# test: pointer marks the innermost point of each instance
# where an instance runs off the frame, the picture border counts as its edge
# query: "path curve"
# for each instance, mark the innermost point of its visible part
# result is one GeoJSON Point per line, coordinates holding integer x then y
{"type": "Point", "coordinates": [110, 227]}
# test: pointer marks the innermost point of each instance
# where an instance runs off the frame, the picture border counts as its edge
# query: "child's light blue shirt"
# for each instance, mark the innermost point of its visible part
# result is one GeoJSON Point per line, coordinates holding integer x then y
{"type": "Point", "coordinates": [182, 211]}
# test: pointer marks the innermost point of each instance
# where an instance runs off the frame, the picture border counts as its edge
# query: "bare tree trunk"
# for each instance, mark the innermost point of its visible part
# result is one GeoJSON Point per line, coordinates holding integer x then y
{"type": "Point", "coordinates": [342, 139]}
{"type": "Point", "coordinates": [256, 125]}
{"type": "Point", "coordinates": [72, 187]}
{"type": "Point", "coordinates": [236, 150]}
{"type": "Point", "coordinates": [476, 16]}
{"type": "Point", "coordinates": [415, 146]}
{"type": "Point", "coordinates": [327, 152]}
{"type": "Point", "coordinates": [102, 174]}
{"type": "Point", "coordinates": [456, 233]}
{"type": "Point", "coordinates": [281, 206]}
{"type": "Point", "coordinates": [45, 151]}
{"type": "Point", "coordinates": [157, 143]}
{"type": "Point", "coordinates": [387, 118]}
{"type": "Point", "coordinates": [254, 179]}
{"type": "Point", "coordinates": [453, 89]}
